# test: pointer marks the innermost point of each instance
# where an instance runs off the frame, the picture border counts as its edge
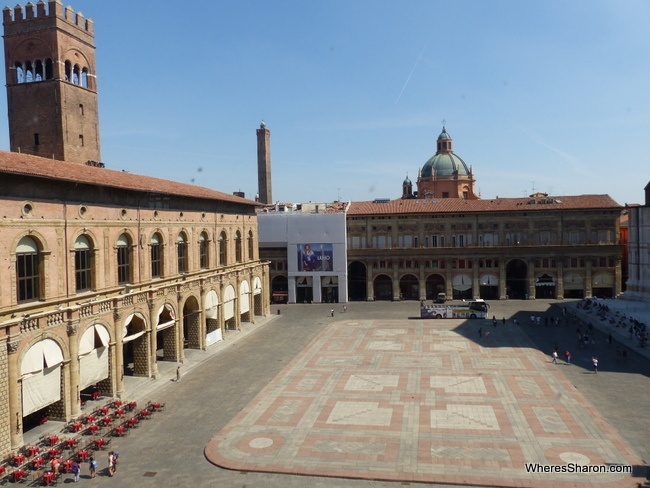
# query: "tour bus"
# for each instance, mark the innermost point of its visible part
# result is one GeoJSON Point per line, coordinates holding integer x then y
{"type": "Point", "coordinates": [475, 309]}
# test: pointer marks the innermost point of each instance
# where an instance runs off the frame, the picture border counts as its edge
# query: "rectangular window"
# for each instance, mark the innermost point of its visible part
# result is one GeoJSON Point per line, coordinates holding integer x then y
{"type": "Point", "coordinates": [182, 257]}
{"type": "Point", "coordinates": [36, 139]}
{"type": "Point", "coordinates": [28, 277]}
{"type": "Point", "coordinates": [203, 254]}
{"type": "Point", "coordinates": [123, 275]}
{"type": "Point", "coordinates": [434, 241]}
{"type": "Point", "coordinates": [82, 269]}
{"type": "Point", "coordinates": [155, 261]}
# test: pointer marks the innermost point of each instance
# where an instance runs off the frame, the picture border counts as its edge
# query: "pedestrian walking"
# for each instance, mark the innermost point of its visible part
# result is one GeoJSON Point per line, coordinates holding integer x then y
{"type": "Point", "coordinates": [480, 332]}
{"type": "Point", "coordinates": [567, 357]}
{"type": "Point", "coordinates": [554, 357]}
{"type": "Point", "coordinates": [178, 373]}
{"type": "Point", "coordinates": [332, 312]}
{"type": "Point", "coordinates": [92, 466]}
{"type": "Point", "coordinates": [494, 321]}
{"type": "Point", "coordinates": [595, 361]}
{"type": "Point", "coordinates": [75, 470]}
{"type": "Point", "coordinates": [345, 308]}
{"type": "Point", "coordinates": [111, 464]}
{"type": "Point", "coordinates": [503, 321]}
{"type": "Point", "coordinates": [609, 338]}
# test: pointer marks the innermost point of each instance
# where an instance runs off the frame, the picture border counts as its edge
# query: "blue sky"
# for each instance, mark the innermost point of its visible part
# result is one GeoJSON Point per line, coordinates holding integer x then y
{"type": "Point", "coordinates": [549, 95]}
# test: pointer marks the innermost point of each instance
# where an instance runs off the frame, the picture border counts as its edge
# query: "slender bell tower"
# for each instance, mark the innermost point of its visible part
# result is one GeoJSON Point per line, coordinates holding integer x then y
{"type": "Point", "coordinates": [264, 164]}
{"type": "Point", "coordinates": [51, 82]}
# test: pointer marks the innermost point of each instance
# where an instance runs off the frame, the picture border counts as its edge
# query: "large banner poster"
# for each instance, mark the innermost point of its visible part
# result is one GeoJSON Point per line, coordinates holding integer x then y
{"type": "Point", "coordinates": [315, 257]}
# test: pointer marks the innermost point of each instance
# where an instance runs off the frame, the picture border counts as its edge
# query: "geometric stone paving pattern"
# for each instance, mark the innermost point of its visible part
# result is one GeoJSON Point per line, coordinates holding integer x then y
{"type": "Point", "coordinates": [422, 400]}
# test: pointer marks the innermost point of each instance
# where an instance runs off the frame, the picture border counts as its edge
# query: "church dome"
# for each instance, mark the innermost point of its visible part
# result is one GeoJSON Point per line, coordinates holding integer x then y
{"type": "Point", "coordinates": [445, 162]}
{"type": "Point", "coordinates": [407, 181]}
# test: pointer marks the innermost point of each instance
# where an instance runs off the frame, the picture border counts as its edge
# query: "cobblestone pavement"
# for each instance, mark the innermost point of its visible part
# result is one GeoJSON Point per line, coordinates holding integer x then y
{"type": "Point", "coordinates": [493, 404]}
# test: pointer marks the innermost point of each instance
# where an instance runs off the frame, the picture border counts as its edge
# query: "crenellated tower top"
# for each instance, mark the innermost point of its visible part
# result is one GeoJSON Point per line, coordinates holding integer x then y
{"type": "Point", "coordinates": [51, 81]}
{"type": "Point", "coordinates": [38, 13]}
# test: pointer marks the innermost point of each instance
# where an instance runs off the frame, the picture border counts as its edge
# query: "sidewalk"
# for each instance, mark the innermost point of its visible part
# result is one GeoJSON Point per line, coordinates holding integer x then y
{"type": "Point", "coordinates": [639, 311]}
{"type": "Point", "coordinates": [143, 390]}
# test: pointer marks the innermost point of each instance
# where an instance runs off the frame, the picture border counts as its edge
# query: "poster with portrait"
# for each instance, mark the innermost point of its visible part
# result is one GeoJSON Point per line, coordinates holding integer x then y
{"type": "Point", "coordinates": [315, 257]}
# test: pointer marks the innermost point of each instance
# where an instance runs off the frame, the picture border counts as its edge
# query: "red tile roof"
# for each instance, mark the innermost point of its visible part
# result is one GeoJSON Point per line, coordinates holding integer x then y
{"type": "Point", "coordinates": [24, 164]}
{"type": "Point", "coordinates": [450, 205]}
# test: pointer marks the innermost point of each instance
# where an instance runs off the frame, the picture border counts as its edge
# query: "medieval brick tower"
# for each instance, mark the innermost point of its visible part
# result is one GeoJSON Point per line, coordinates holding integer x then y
{"type": "Point", "coordinates": [51, 82]}
{"type": "Point", "coordinates": [264, 164]}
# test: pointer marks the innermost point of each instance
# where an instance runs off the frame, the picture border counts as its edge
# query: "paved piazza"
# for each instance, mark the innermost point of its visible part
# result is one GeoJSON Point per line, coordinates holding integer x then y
{"type": "Point", "coordinates": [422, 400]}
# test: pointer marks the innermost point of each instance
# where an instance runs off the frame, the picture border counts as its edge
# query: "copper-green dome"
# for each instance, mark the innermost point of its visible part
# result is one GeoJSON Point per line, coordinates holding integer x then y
{"type": "Point", "coordinates": [445, 164]}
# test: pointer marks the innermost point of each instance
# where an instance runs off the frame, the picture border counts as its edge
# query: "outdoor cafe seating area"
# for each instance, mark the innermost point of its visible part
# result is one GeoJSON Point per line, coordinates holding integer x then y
{"type": "Point", "coordinates": [77, 441]}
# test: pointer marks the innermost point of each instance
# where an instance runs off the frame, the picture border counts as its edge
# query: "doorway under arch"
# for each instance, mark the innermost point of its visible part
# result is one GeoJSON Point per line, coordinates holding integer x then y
{"type": "Point", "coordinates": [383, 286]}
{"type": "Point", "coordinates": [357, 284]}
{"type": "Point", "coordinates": [409, 287]}
{"type": "Point", "coordinates": [517, 279]}
{"type": "Point", "coordinates": [135, 346]}
{"type": "Point", "coordinates": [435, 284]}
{"type": "Point", "coordinates": [191, 324]}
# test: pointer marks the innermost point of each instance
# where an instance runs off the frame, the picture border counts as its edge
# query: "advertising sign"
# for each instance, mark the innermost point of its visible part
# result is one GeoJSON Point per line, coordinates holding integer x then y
{"type": "Point", "coordinates": [315, 257]}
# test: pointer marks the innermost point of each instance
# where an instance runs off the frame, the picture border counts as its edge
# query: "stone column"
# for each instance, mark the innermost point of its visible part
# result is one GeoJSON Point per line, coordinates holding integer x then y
{"type": "Point", "coordinates": [559, 286]}
{"type": "Point", "coordinates": [370, 284]}
{"type": "Point", "coordinates": [531, 279]}
{"type": "Point", "coordinates": [503, 290]}
{"type": "Point", "coordinates": [153, 322]}
{"type": "Point", "coordinates": [15, 387]}
{"type": "Point", "coordinates": [588, 290]}
{"type": "Point", "coordinates": [396, 291]}
{"type": "Point", "coordinates": [180, 329]}
{"type": "Point", "coordinates": [237, 301]}
{"type": "Point", "coordinates": [220, 309]}
{"type": "Point", "coordinates": [73, 341]}
{"type": "Point", "coordinates": [618, 276]}
{"type": "Point", "coordinates": [423, 283]}
{"type": "Point", "coordinates": [119, 353]}
{"type": "Point", "coordinates": [476, 285]}
{"type": "Point", "coordinates": [448, 279]}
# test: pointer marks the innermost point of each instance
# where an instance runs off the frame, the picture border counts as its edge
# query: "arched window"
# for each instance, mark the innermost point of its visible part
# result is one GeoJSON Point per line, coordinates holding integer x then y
{"type": "Point", "coordinates": [38, 70]}
{"type": "Point", "coordinates": [204, 260]}
{"type": "Point", "coordinates": [123, 259]}
{"type": "Point", "coordinates": [84, 77]}
{"type": "Point", "coordinates": [20, 73]}
{"type": "Point", "coordinates": [76, 74]}
{"type": "Point", "coordinates": [223, 249]}
{"type": "Point", "coordinates": [49, 72]}
{"type": "Point", "coordinates": [28, 270]}
{"type": "Point", "coordinates": [83, 264]}
{"type": "Point", "coordinates": [29, 74]}
{"type": "Point", "coordinates": [68, 71]}
{"type": "Point", "coordinates": [251, 246]}
{"type": "Point", "coordinates": [156, 256]}
{"type": "Point", "coordinates": [238, 250]}
{"type": "Point", "coordinates": [181, 244]}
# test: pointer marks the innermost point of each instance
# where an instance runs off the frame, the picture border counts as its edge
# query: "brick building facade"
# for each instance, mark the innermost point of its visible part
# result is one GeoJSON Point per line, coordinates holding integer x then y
{"type": "Point", "coordinates": [104, 273]}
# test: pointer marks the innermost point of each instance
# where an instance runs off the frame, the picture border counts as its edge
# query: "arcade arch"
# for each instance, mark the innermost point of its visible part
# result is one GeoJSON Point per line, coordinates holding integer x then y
{"type": "Point", "coordinates": [383, 286]}
{"type": "Point", "coordinates": [357, 284]}
{"type": "Point", "coordinates": [135, 346]}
